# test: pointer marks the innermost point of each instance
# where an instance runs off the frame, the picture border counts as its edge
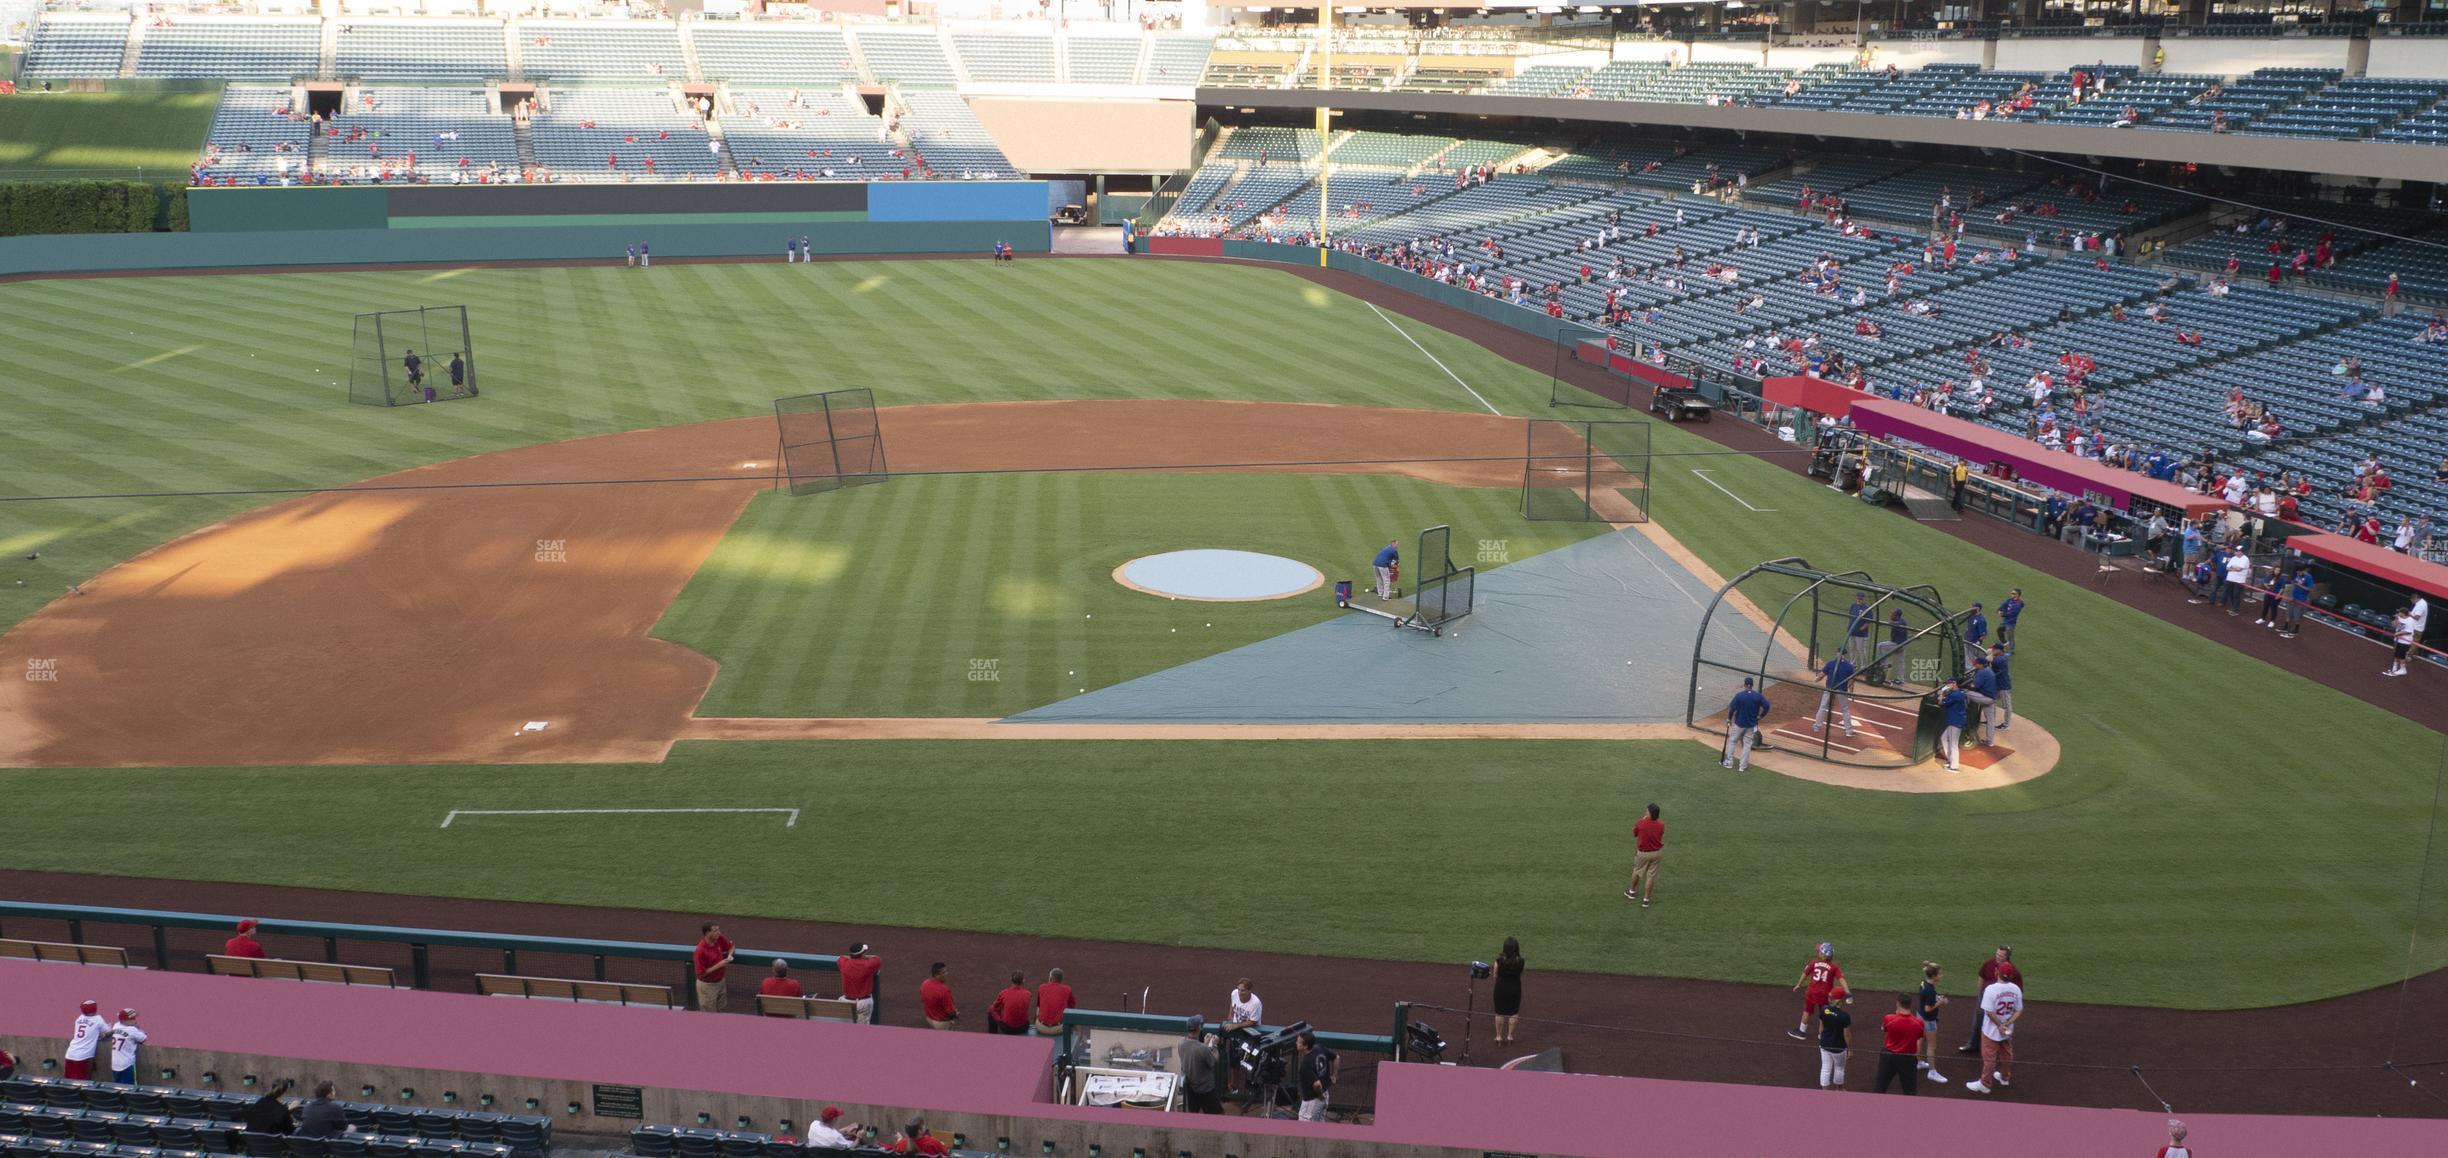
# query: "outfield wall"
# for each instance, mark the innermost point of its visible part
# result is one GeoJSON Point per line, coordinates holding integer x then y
{"type": "Point", "coordinates": [381, 225]}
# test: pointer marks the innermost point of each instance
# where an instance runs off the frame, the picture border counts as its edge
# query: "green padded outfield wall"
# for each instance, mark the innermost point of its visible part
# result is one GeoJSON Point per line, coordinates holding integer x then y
{"type": "Point", "coordinates": [23, 256]}
{"type": "Point", "coordinates": [460, 224]}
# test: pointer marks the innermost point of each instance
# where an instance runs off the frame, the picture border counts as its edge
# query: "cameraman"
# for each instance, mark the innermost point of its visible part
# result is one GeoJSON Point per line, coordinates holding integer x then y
{"type": "Point", "coordinates": [1316, 1069]}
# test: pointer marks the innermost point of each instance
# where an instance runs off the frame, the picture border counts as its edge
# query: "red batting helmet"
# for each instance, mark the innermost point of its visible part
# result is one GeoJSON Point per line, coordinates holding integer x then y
{"type": "Point", "coordinates": [91, 1007]}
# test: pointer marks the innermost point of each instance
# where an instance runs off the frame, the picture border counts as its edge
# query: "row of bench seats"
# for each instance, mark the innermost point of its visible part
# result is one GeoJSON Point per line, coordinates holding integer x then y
{"type": "Point", "coordinates": [67, 1108]}
{"type": "Point", "coordinates": [676, 1142]}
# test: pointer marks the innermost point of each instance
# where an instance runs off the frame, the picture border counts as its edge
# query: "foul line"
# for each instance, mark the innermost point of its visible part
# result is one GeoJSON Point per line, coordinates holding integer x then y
{"type": "Point", "coordinates": [456, 813]}
{"type": "Point", "coordinates": [1704, 477]}
{"type": "Point", "coordinates": [1381, 316]}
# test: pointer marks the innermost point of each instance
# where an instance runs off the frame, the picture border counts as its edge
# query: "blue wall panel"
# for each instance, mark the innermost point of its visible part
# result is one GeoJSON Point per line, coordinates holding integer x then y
{"type": "Point", "coordinates": [957, 201]}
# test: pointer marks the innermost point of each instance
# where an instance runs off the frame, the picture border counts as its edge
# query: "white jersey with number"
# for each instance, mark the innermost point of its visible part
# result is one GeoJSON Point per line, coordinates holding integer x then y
{"type": "Point", "coordinates": [124, 1040]}
{"type": "Point", "coordinates": [2001, 1004]}
{"type": "Point", "coordinates": [86, 1037]}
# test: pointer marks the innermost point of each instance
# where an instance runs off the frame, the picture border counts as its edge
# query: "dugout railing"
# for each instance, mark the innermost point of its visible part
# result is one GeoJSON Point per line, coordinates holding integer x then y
{"type": "Point", "coordinates": [420, 943]}
{"type": "Point", "coordinates": [1092, 1037]}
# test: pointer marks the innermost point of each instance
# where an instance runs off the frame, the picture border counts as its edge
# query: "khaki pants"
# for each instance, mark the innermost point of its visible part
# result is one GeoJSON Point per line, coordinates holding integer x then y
{"type": "Point", "coordinates": [1645, 868]}
{"type": "Point", "coordinates": [713, 996]}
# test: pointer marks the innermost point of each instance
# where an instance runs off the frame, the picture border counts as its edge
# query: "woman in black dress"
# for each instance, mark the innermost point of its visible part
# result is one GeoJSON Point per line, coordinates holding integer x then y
{"type": "Point", "coordinates": [1507, 1001]}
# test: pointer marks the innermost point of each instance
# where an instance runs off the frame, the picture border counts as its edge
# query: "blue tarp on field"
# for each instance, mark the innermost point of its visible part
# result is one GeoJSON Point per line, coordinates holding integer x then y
{"type": "Point", "coordinates": [1597, 632]}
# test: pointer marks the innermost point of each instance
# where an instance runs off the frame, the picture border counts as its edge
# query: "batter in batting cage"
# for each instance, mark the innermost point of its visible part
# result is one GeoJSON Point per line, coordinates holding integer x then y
{"type": "Point", "coordinates": [828, 441]}
{"type": "Point", "coordinates": [407, 357]}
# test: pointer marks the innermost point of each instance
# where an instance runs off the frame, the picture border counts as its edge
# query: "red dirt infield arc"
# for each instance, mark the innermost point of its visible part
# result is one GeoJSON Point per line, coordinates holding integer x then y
{"type": "Point", "coordinates": [426, 616]}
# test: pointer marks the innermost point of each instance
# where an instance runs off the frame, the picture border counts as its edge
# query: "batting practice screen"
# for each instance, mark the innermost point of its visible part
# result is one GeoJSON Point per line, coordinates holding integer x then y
{"type": "Point", "coordinates": [829, 440]}
{"type": "Point", "coordinates": [1586, 471]}
{"type": "Point", "coordinates": [404, 357]}
{"type": "Point", "coordinates": [1443, 592]}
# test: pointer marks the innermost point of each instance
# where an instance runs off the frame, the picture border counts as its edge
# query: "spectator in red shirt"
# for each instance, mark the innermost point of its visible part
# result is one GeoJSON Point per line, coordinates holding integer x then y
{"type": "Point", "coordinates": [244, 944]}
{"type": "Point", "coordinates": [1053, 998]}
{"type": "Point", "coordinates": [1010, 1011]}
{"type": "Point", "coordinates": [1900, 1032]}
{"type": "Point", "coordinates": [781, 984]}
{"type": "Point", "coordinates": [915, 1139]}
{"type": "Point", "coordinates": [712, 962]}
{"type": "Point", "coordinates": [2000, 964]}
{"type": "Point", "coordinates": [858, 977]}
{"type": "Point", "coordinates": [1648, 846]}
{"type": "Point", "coordinates": [935, 1000]}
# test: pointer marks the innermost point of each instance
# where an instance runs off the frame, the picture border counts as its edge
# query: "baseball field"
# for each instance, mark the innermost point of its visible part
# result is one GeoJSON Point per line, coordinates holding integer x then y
{"type": "Point", "coordinates": [2218, 832]}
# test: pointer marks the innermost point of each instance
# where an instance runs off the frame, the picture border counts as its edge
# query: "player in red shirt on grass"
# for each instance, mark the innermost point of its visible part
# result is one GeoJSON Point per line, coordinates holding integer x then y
{"type": "Point", "coordinates": [1822, 979]}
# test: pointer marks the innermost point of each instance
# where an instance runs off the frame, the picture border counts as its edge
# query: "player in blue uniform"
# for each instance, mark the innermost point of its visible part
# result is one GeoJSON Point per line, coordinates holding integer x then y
{"type": "Point", "coordinates": [1950, 741]}
{"type": "Point", "coordinates": [1982, 692]}
{"type": "Point", "coordinates": [2008, 613]}
{"type": "Point", "coordinates": [1999, 661]}
{"type": "Point", "coordinates": [1385, 563]}
{"type": "Point", "coordinates": [1857, 628]}
{"type": "Point", "coordinates": [1837, 674]}
{"type": "Point", "coordinates": [1743, 715]}
{"type": "Point", "coordinates": [2299, 594]}
{"type": "Point", "coordinates": [1975, 636]}
{"type": "Point", "coordinates": [1898, 632]}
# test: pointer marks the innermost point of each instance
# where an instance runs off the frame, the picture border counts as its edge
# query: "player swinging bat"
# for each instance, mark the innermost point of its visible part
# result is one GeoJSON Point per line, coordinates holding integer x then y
{"type": "Point", "coordinates": [1389, 566]}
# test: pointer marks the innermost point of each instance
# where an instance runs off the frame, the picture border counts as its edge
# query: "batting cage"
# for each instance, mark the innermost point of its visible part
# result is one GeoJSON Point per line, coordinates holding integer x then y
{"type": "Point", "coordinates": [828, 441]}
{"type": "Point", "coordinates": [1577, 471]}
{"type": "Point", "coordinates": [1783, 621]}
{"type": "Point", "coordinates": [403, 357]}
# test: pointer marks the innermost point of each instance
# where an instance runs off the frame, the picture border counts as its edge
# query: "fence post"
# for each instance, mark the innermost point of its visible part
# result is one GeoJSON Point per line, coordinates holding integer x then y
{"type": "Point", "coordinates": [419, 973]}
{"type": "Point", "coordinates": [161, 948]}
{"type": "Point", "coordinates": [76, 930]}
{"type": "Point", "coordinates": [599, 966]}
{"type": "Point", "coordinates": [1402, 1024]}
{"type": "Point", "coordinates": [510, 961]}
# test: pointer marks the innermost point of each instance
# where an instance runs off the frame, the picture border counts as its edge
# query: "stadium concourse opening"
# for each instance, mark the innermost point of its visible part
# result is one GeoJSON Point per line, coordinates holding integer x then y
{"type": "Point", "coordinates": [1783, 621]}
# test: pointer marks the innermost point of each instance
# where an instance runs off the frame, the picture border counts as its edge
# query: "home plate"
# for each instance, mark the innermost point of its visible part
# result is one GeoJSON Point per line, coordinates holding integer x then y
{"type": "Point", "coordinates": [534, 726]}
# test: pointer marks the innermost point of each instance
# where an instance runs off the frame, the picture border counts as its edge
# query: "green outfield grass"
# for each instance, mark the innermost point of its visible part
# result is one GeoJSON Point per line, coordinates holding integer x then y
{"type": "Point", "coordinates": [2220, 833]}
{"type": "Point", "coordinates": [223, 383]}
{"type": "Point", "coordinates": [104, 134]}
{"type": "Point", "coordinates": [883, 601]}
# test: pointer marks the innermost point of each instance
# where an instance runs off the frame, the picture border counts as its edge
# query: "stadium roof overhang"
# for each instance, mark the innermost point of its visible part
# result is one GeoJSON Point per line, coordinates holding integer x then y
{"type": "Point", "coordinates": [1885, 418]}
{"type": "Point", "coordinates": [2381, 159]}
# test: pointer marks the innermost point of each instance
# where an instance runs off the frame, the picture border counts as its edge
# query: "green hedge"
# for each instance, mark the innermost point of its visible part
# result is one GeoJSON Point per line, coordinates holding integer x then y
{"type": "Point", "coordinates": [35, 207]}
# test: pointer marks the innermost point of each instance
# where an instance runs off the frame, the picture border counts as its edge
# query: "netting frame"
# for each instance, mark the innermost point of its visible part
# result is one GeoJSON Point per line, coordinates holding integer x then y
{"type": "Point", "coordinates": [1564, 392]}
{"type": "Point", "coordinates": [827, 441]}
{"type": "Point", "coordinates": [1567, 463]}
{"type": "Point", "coordinates": [1800, 624]}
{"type": "Point", "coordinates": [377, 348]}
{"type": "Point", "coordinates": [1439, 598]}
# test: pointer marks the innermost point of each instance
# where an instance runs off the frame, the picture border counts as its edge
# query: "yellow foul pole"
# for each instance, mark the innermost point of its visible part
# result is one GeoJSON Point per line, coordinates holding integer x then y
{"type": "Point", "coordinates": [1325, 116]}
